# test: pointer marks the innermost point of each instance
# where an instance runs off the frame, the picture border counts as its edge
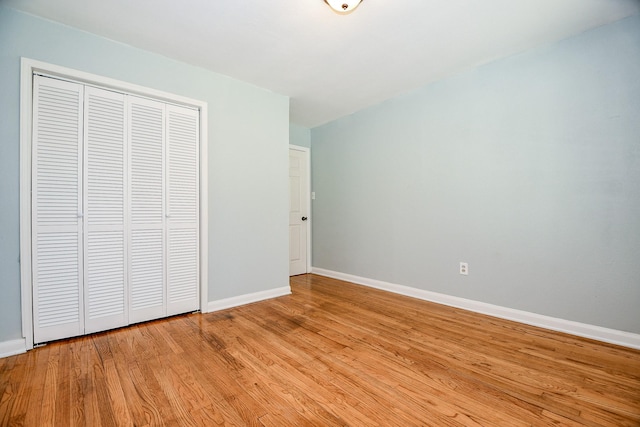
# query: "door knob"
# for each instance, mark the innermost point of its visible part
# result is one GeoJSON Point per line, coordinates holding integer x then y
{"type": "Point", "coordinates": [304, 218]}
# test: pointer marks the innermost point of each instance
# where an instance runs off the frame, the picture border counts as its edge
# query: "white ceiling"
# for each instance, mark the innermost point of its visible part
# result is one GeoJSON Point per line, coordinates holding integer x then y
{"type": "Point", "coordinates": [332, 65]}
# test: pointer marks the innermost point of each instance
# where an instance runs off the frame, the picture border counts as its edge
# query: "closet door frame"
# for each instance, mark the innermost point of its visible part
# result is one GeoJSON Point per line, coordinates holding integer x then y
{"type": "Point", "coordinates": [29, 67]}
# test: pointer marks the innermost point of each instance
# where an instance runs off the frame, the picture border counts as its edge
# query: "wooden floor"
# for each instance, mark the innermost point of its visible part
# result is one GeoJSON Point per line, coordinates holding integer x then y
{"type": "Point", "coordinates": [331, 354]}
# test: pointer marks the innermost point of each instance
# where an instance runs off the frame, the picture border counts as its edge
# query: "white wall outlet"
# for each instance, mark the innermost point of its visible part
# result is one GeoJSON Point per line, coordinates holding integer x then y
{"type": "Point", "coordinates": [313, 195]}
{"type": "Point", "coordinates": [464, 268]}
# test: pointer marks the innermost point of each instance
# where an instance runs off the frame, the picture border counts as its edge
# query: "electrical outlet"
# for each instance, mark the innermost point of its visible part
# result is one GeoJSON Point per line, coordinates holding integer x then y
{"type": "Point", "coordinates": [464, 268]}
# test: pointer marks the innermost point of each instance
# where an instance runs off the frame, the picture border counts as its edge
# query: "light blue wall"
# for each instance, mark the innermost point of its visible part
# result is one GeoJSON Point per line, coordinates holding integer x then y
{"type": "Point", "coordinates": [527, 168]}
{"type": "Point", "coordinates": [299, 135]}
{"type": "Point", "coordinates": [248, 155]}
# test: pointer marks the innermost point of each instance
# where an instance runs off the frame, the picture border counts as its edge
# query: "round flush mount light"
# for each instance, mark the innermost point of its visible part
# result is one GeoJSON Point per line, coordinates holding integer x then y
{"type": "Point", "coordinates": [343, 6]}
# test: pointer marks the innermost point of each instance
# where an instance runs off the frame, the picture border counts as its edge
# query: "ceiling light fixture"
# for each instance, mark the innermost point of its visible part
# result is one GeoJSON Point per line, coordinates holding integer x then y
{"type": "Point", "coordinates": [343, 6]}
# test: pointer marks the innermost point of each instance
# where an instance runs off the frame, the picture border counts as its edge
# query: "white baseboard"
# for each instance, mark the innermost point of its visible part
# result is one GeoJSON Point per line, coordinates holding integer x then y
{"type": "Point", "coordinates": [13, 347]}
{"type": "Point", "coordinates": [247, 299]}
{"type": "Point", "coordinates": [599, 333]}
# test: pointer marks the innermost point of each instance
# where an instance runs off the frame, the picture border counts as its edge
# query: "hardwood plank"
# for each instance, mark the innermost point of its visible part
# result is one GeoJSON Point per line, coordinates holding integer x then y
{"type": "Point", "coordinates": [285, 375]}
{"type": "Point", "coordinates": [143, 410]}
{"type": "Point", "coordinates": [63, 385]}
{"type": "Point", "coordinates": [28, 400]}
{"type": "Point", "coordinates": [77, 350]}
{"type": "Point", "coordinates": [332, 353]}
{"type": "Point", "coordinates": [50, 388]}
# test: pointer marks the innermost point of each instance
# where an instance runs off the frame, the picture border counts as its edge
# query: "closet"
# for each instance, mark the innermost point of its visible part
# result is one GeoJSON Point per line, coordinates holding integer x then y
{"type": "Point", "coordinates": [115, 185]}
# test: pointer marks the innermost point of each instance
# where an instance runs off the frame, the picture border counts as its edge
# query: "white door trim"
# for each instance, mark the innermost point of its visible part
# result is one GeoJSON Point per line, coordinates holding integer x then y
{"type": "Point", "coordinates": [307, 157]}
{"type": "Point", "coordinates": [28, 68]}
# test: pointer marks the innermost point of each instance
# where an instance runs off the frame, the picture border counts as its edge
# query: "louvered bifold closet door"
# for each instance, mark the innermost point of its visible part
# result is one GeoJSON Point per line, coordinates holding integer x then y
{"type": "Point", "coordinates": [105, 206]}
{"type": "Point", "coordinates": [57, 209]}
{"type": "Point", "coordinates": [147, 288]}
{"type": "Point", "coordinates": [182, 209]}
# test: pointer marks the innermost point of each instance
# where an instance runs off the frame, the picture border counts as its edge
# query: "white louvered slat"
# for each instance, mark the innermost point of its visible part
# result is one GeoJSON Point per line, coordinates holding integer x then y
{"type": "Point", "coordinates": [147, 145]}
{"type": "Point", "coordinates": [183, 206]}
{"type": "Point", "coordinates": [104, 173]}
{"type": "Point", "coordinates": [183, 268]}
{"type": "Point", "coordinates": [57, 110]}
{"type": "Point", "coordinates": [147, 216]}
{"type": "Point", "coordinates": [147, 275]}
{"type": "Point", "coordinates": [57, 254]}
{"type": "Point", "coordinates": [183, 164]}
{"type": "Point", "coordinates": [56, 194]}
{"type": "Point", "coordinates": [105, 269]}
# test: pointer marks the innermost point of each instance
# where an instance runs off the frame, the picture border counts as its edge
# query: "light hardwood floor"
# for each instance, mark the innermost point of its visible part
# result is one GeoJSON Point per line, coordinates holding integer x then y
{"type": "Point", "coordinates": [330, 354]}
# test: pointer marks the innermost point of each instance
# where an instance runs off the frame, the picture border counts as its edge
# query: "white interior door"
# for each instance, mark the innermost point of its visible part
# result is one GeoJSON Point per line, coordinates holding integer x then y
{"type": "Point", "coordinates": [105, 281]}
{"type": "Point", "coordinates": [183, 148]}
{"type": "Point", "coordinates": [147, 287]}
{"type": "Point", "coordinates": [57, 210]}
{"type": "Point", "coordinates": [298, 210]}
